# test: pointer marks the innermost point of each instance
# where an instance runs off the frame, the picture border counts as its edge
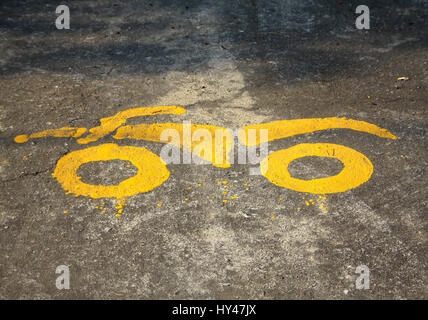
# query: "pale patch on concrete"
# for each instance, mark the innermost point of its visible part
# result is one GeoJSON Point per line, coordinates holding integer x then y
{"type": "Point", "coordinates": [395, 43]}
{"type": "Point", "coordinates": [361, 212]}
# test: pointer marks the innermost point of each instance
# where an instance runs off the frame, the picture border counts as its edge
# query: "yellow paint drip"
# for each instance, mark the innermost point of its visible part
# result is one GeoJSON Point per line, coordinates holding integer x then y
{"type": "Point", "coordinates": [65, 132]}
{"type": "Point", "coordinates": [357, 168]}
{"type": "Point", "coordinates": [287, 128]}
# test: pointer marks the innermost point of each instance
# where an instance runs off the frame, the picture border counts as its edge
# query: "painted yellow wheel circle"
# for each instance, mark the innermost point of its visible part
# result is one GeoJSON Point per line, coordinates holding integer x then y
{"type": "Point", "coordinates": [357, 168]}
{"type": "Point", "coordinates": [152, 171]}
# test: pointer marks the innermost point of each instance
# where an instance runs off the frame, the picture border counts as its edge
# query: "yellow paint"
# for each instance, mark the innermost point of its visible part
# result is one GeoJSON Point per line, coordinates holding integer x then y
{"type": "Point", "coordinates": [110, 124]}
{"type": "Point", "coordinates": [65, 132]}
{"type": "Point", "coordinates": [189, 188]}
{"type": "Point", "coordinates": [233, 197]}
{"type": "Point", "coordinates": [199, 185]}
{"type": "Point", "coordinates": [281, 199]}
{"type": "Point", "coordinates": [186, 199]}
{"type": "Point", "coordinates": [153, 132]}
{"type": "Point", "coordinates": [288, 128]}
{"type": "Point", "coordinates": [118, 215]}
{"type": "Point", "coordinates": [357, 168]}
{"type": "Point", "coordinates": [159, 204]}
{"type": "Point", "coordinates": [307, 203]}
{"type": "Point", "coordinates": [224, 192]}
{"type": "Point", "coordinates": [121, 203]}
{"type": "Point", "coordinates": [65, 211]}
{"type": "Point", "coordinates": [225, 201]}
{"type": "Point", "coordinates": [152, 171]}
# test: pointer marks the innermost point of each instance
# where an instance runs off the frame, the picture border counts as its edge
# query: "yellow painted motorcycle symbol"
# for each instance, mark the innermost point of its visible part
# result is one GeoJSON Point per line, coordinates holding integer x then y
{"type": "Point", "coordinates": [152, 170]}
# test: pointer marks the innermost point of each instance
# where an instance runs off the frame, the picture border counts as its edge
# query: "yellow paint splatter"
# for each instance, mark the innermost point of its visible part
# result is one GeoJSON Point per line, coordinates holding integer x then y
{"type": "Point", "coordinates": [159, 204]}
{"type": "Point", "coordinates": [65, 211]}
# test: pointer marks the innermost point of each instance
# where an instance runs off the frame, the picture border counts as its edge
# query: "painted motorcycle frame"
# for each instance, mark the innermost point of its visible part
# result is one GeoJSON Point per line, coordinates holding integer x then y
{"type": "Point", "coordinates": [153, 171]}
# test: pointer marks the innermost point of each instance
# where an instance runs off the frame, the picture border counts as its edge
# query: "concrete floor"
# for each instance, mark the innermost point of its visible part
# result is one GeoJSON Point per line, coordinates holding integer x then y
{"type": "Point", "coordinates": [230, 64]}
